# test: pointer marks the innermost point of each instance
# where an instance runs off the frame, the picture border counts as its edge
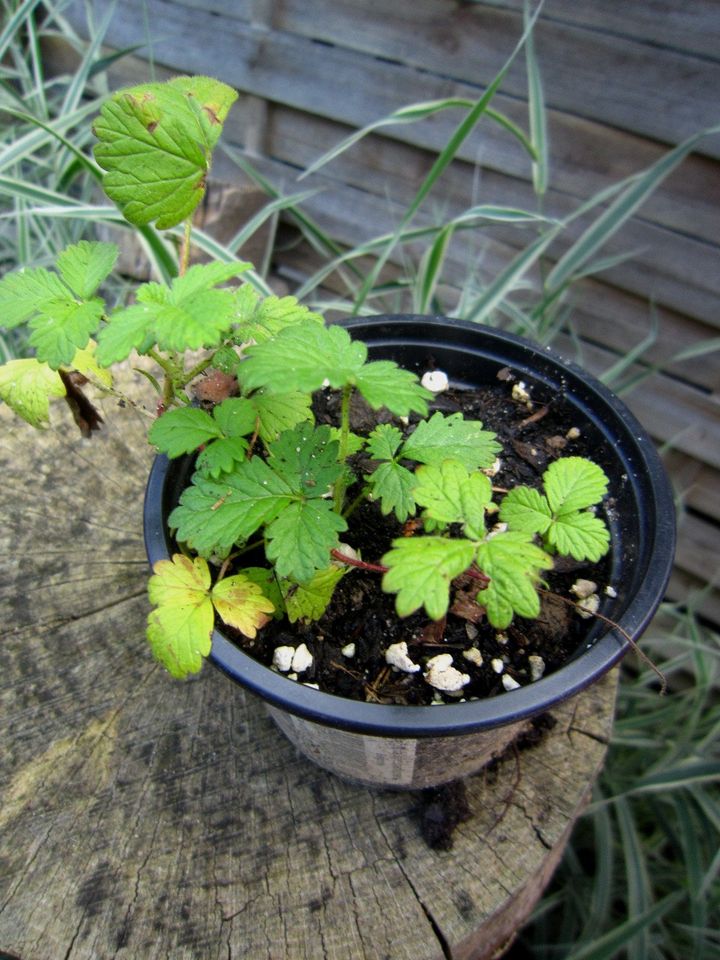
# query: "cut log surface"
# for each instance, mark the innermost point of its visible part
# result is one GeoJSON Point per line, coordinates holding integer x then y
{"type": "Point", "coordinates": [145, 818]}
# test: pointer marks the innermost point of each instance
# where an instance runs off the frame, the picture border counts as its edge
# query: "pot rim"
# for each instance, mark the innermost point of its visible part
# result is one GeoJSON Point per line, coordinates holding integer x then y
{"type": "Point", "coordinates": [646, 476]}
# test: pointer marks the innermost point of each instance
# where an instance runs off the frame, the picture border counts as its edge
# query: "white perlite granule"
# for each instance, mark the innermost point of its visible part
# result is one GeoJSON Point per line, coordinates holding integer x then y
{"type": "Point", "coordinates": [442, 675]}
{"type": "Point", "coordinates": [435, 381]}
{"type": "Point", "coordinates": [302, 660]}
{"type": "Point", "coordinates": [283, 658]}
{"type": "Point", "coordinates": [396, 656]}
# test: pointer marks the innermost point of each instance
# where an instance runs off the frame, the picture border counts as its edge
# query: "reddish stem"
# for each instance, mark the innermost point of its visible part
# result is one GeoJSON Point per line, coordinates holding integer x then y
{"type": "Point", "coordinates": [351, 561]}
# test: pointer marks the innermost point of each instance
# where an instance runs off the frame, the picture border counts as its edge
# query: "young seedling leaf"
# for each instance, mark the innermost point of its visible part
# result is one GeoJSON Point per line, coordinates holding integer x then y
{"type": "Point", "coordinates": [421, 570]}
{"type": "Point", "coordinates": [180, 628]}
{"type": "Point", "coordinates": [524, 508]}
{"type": "Point", "coordinates": [182, 431]}
{"type": "Point", "coordinates": [155, 144]}
{"type": "Point", "coordinates": [84, 265]}
{"type": "Point", "coordinates": [309, 601]}
{"type": "Point", "coordinates": [452, 495]}
{"type": "Point", "coordinates": [27, 386]}
{"type": "Point", "coordinates": [441, 438]}
{"type": "Point", "coordinates": [392, 484]}
{"type": "Point", "coordinates": [261, 319]}
{"type": "Point", "coordinates": [573, 483]}
{"type": "Point", "coordinates": [580, 534]}
{"type": "Point", "coordinates": [240, 602]}
{"type": "Point", "coordinates": [204, 276]}
{"type": "Point", "coordinates": [300, 538]}
{"type": "Point", "coordinates": [354, 442]}
{"type": "Point", "coordinates": [62, 327]}
{"type": "Point", "coordinates": [513, 563]}
{"type": "Point", "coordinates": [236, 417]}
{"type": "Point", "coordinates": [278, 412]}
{"type": "Point", "coordinates": [214, 515]}
{"type": "Point", "coordinates": [384, 442]}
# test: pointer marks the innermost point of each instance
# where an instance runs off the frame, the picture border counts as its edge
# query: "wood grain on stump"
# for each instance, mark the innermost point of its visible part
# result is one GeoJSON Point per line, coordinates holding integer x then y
{"type": "Point", "coordinates": [145, 818]}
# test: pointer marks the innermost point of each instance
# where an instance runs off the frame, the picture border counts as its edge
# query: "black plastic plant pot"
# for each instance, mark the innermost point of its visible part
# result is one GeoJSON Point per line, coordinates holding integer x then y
{"type": "Point", "coordinates": [413, 747]}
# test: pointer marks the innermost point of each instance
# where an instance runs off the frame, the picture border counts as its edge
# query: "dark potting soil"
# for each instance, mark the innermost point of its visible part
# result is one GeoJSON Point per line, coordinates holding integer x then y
{"type": "Point", "coordinates": [533, 434]}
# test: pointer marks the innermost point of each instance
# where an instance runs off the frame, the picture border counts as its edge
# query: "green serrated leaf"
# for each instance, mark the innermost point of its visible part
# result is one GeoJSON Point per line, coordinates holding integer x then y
{"type": "Point", "coordinates": [573, 483]}
{"type": "Point", "coordinates": [421, 570]}
{"type": "Point", "coordinates": [384, 441]}
{"type": "Point", "coordinates": [180, 628]}
{"type": "Point", "coordinates": [302, 357]}
{"type": "Point", "coordinates": [513, 563]}
{"type": "Point", "coordinates": [310, 600]}
{"type": "Point", "coordinates": [278, 412]}
{"type": "Point", "coordinates": [214, 515]}
{"type": "Point", "coordinates": [27, 386]}
{"type": "Point", "coordinates": [300, 538]}
{"type": "Point", "coordinates": [62, 328]}
{"type": "Point", "coordinates": [261, 319]}
{"type": "Point", "coordinates": [581, 535]}
{"type": "Point", "coordinates": [236, 417]}
{"type": "Point", "coordinates": [306, 457]}
{"type": "Point", "coordinates": [526, 509]}
{"type": "Point", "coordinates": [155, 144]}
{"type": "Point", "coordinates": [392, 484]}
{"type": "Point", "coordinates": [221, 455]}
{"type": "Point", "coordinates": [441, 437]}
{"type": "Point", "coordinates": [384, 384]}
{"type": "Point", "coordinates": [204, 276]}
{"type": "Point", "coordinates": [183, 431]}
{"type": "Point", "coordinates": [126, 331]}
{"type": "Point", "coordinates": [23, 293]}
{"type": "Point", "coordinates": [240, 602]}
{"type": "Point", "coordinates": [452, 495]}
{"type": "Point", "coordinates": [84, 265]}
{"type": "Point", "coordinates": [354, 442]}
{"type": "Point", "coordinates": [193, 322]}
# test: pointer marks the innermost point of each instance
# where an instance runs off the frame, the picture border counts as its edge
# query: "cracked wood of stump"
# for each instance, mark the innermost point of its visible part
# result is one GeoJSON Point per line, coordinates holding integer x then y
{"type": "Point", "coordinates": [145, 818]}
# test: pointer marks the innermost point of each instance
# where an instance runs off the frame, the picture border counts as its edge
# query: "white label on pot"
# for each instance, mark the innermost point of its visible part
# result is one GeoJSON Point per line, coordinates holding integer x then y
{"type": "Point", "coordinates": [354, 755]}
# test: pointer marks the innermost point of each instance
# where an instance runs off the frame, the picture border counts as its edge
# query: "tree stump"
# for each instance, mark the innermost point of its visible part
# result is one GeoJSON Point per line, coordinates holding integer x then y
{"type": "Point", "coordinates": [141, 817]}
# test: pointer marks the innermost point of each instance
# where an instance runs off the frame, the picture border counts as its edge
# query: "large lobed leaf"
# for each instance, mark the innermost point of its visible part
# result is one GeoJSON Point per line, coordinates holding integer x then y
{"type": "Point", "coordinates": [27, 386]}
{"type": "Point", "coordinates": [155, 145]}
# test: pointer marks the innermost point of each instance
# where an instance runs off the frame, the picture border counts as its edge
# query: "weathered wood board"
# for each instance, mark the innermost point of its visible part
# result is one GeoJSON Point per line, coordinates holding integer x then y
{"type": "Point", "coordinates": [141, 817]}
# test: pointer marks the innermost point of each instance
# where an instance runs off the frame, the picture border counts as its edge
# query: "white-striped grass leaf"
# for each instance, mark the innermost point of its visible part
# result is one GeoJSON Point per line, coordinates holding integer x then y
{"type": "Point", "coordinates": [268, 211]}
{"type": "Point", "coordinates": [537, 114]}
{"type": "Point", "coordinates": [25, 146]}
{"type": "Point", "coordinates": [609, 946]}
{"type": "Point", "coordinates": [14, 24]}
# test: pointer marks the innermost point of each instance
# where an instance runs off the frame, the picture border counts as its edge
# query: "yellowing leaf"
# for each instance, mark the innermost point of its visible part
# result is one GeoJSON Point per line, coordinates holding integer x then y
{"type": "Point", "coordinates": [242, 604]}
{"type": "Point", "coordinates": [310, 600]}
{"type": "Point", "coordinates": [84, 362]}
{"type": "Point", "coordinates": [26, 386]}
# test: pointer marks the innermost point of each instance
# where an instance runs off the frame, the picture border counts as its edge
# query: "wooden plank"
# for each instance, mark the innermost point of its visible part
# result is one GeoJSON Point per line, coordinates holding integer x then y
{"type": "Point", "coordinates": [693, 591]}
{"type": "Point", "coordinates": [696, 484]}
{"type": "Point", "coordinates": [697, 551]}
{"type": "Point", "coordinates": [641, 87]}
{"type": "Point", "coordinates": [685, 27]}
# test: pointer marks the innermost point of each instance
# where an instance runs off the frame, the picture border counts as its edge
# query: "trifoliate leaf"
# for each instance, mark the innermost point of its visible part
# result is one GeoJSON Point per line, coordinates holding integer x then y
{"type": "Point", "coordinates": [441, 437]}
{"type": "Point", "coordinates": [301, 537]}
{"type": "Point", "coordinates": [384, 441]}
{"type": "Point", "coordinates": [573, 483]}
{"type": "Point", "coordinates": [513, 563]}
{"type": "Point", "coordinates": [303, 357]}
{"type": "Point", "coordinates": [384, 384]}
{"type": "Point", "coordinates": [392, 484]}
{"type": "Point", "coordinates": [310, 600]}
{"type": "Point", "coordinates": [278, 412]}
{"type": "Point", "coordinates": [260, 319]}
{"type": "Point", "coordinates": [62, 328]}
{"type": "Point", "coordinates": [452, 495]}
{"type": "Point", "coordinates": [155, 144]}
{"type": "Point", "coordinates": [221, 455]}
{"type": "Point", "coordinates": [213, 515]}
{"type": "Point", "coordinates": [580, 534]}
{"type": "Point", "coordinates": [524, 508]}
{"type": "Point", "coordinates": [180, 628]}
{"type": "Point", "coordinates": [26, 386]}
{"type": "Point", "coordinates": [25, 292]}
{"type": "Point", "coordinates": [421, 570]}
{"type": "Point", "coordinates": [241, 603]}
{"type": "Point", "coordinates": [182, 431]}
{"type": "Point", "coordinates": [306, 458]}
{"type": "Point", "coordinates": [84, 265]}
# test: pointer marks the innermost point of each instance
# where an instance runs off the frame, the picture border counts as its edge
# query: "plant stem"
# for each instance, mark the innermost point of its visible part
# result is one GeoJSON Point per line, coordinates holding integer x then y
{"type": "Point", "coordinates": [341, 484]}
{"type": "Point", "coordinates": [185, 248]}
{"type": "Point", "coordinates": [353, 562]}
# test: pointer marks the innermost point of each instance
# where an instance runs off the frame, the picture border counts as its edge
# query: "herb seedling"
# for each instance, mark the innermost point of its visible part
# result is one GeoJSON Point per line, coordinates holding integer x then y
{"type": "Point", "coordinates": [268, 480]}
